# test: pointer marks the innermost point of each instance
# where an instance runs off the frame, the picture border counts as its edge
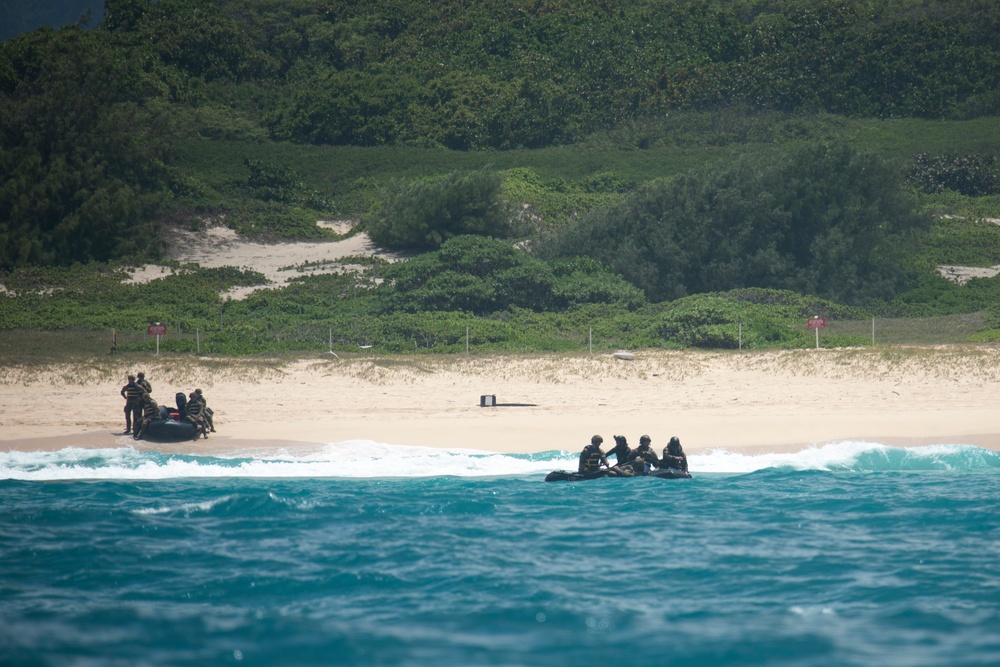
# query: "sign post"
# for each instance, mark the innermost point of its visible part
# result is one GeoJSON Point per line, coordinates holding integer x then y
{"type": "Point", "coordinates": [816, 323]}
{"type": "Point", "coordinates": [157, 330]}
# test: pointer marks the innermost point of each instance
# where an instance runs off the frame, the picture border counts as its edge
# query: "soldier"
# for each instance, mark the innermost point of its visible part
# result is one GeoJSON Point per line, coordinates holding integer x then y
{"type": "Point", "coordinates": [644, 458]}
{"type": "Point", "coordinates": [195, 411]}
{"type": "Point", "coordinates": [592, 458]}
{"type": "Point", "coordinates": [144, 383]}
{"type": "Point", "coordinates": [621, 450]}
{"type": "Point", "coordinates": [132, 393]}
{"type": "Point", "coordinates": [674, 456]}
{"type": "Point", "coordinates": [206, 412]}
{"type": "Point", "coordinates": [150, 413]}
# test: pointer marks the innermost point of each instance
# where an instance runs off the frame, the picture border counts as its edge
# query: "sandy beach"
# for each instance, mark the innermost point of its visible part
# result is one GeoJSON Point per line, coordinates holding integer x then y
{"type": "Point", "coordinates": [750, 401]}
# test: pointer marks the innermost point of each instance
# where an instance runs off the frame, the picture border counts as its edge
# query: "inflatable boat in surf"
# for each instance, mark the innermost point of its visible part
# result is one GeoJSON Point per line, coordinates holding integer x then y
{"type": "Point", "coordinates": [573, 476]}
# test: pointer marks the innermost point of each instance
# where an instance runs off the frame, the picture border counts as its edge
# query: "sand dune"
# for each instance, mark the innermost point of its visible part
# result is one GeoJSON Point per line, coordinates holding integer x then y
{"type": "Point", "coordinates": [218, 246]}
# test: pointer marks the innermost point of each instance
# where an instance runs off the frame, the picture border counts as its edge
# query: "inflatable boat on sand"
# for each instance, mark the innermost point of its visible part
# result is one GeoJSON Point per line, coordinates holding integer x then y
{"type": "Point", "coordinates": [170, 427]}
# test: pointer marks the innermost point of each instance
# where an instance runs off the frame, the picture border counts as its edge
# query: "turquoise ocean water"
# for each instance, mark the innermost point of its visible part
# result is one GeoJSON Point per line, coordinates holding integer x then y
{"type": "Point", "coordinates": [370, 554]}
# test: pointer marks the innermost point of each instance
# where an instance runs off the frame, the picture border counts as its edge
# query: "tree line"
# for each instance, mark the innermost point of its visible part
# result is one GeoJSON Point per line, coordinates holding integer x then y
{"type": "Point", "coordinates": [88, 117]}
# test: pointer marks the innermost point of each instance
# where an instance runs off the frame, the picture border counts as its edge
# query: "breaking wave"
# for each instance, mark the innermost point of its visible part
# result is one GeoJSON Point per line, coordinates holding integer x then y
{"type": "Point", "coordinates": [366, 459]}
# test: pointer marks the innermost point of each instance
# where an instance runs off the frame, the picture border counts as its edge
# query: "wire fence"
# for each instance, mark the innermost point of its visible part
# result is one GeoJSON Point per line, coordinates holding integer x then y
{"type": "Point", "coordinates": [365, 335]}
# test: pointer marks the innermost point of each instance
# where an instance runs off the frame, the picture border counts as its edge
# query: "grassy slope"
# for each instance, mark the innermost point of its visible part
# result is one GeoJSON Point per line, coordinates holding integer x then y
{"type": "Point", "coordinates": [351, 175]}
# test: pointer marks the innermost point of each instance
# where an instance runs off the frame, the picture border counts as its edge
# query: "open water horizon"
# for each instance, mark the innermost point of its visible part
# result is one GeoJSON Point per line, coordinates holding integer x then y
{"type": "Point", "coordinates": [854, 553]}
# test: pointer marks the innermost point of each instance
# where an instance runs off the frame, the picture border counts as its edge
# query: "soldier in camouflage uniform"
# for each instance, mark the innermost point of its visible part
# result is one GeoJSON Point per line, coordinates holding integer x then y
{"type": "Point", "coordinates": [644, 458]}
{"type": "Point", "coordinates": [195, 413]}
{"type": "Point", "coordinates": [132, 393]}
{"type": "Point", "coordinates": [150, 413]}
{"type": "Point", "coordinates": [206, 412]}
{"type": "Point", "coordinates": [674, 456]}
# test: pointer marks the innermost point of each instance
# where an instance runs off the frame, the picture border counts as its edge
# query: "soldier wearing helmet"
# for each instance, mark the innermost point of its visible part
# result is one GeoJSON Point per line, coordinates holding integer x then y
{"type": "Point", "coordinates": [592, 458]}
{"type": "Point", "coordinates": [132, 393]}
{"type": "Point", "coordinates": [644, 458]}
{"type": "Point", "coordinates": [674, 456]}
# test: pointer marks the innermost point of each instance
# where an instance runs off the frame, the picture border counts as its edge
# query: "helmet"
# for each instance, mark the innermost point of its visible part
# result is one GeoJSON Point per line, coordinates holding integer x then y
{"type": "Point", "coordinates": [596, 440]}
{"type": "Point", "coordinates": [142, 375]}
{"type": "Point", "coordinates": [644, 440]}
{"type": "Point", "coordinates": [620, 439]}
{"type": "Point", "coordinates": [198, 391]}
{"type": "Point", "coordinates": [131, 378]}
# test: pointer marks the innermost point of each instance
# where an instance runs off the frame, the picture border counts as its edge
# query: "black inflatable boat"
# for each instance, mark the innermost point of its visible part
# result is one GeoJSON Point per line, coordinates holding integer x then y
{"type": "Point", "coordinates": [573, 476]}
{"type": "Point", "coordinates": [170, 427]}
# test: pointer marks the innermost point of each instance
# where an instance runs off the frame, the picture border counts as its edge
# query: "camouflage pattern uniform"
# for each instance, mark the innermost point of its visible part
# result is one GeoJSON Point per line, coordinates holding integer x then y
{"type": "Point", "coordinates": [644, 458]}
{"type": "Point", "coordinates": [132, 393]}
{"type": "Point", "coordinates": [206, 412]}
{"type": "Point", "coordinates": [195, 409]}
{"type": "Point", "coordinates": [674, 456]}
{"type": "Point", "coordinates": [150, 413]}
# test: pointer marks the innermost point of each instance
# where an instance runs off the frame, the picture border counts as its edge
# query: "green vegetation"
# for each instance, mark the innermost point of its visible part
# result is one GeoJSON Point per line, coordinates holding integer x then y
{"type": "Point", "coordinates": [820, 220]}
{"type": "Point", "coordinates": [485, 276]}
{"type": "Point", "coordinates": [682, 173]}
{"type": "Point", "coordinates": [425, 214]}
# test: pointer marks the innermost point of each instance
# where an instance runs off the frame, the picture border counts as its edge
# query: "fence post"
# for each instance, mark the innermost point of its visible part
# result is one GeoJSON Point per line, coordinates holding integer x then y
{"type": "Point", "coordinates": [591, 340]}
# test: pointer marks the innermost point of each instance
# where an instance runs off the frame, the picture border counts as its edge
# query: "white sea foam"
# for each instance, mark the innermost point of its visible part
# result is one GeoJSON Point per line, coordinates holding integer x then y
{"type": "Point", "coordinates": [185, 508]}
{"type": "Point", "coordinates": [826, 457]}
{"type": "Point", "coordinates": [365, 459]}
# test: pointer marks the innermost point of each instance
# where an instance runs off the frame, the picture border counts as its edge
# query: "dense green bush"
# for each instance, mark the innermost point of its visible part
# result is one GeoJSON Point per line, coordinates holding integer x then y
{"type": "Point", "coordinates": [483, 276]}
{"type": "Point", "coordinates": [971, 175]}
{"type": "Point", "coordinates": [582, 280]}
{"type": "Point", "coordinates": [753, 318]}
{"type": "Point", "coordinates": [82, 169]}
{"type": "Point", "coordinates": [959, 240]}
{"type": "Point", "coordinates": [426, 213]}
{"type": "Point", "coordinates": [820, 220]}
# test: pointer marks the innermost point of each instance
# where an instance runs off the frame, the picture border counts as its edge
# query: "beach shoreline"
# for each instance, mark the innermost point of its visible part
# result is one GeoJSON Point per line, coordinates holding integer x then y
{"type": "Point", "coordinates": [752, 402]}
{"type": "Point", "coordinates": [228, 446]}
